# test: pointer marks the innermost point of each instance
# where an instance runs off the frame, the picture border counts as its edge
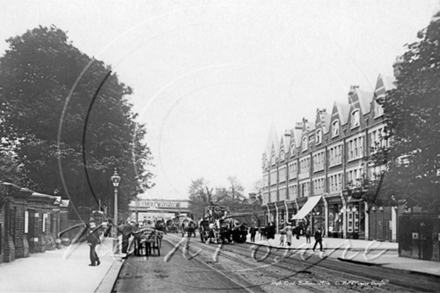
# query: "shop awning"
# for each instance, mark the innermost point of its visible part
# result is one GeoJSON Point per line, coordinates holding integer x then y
{"type": "Point", "coordinates": [307, 207]}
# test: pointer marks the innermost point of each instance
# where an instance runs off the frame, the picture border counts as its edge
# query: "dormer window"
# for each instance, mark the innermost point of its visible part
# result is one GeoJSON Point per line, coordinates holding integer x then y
{"type": "Point", "coordinates": [378, 109]}
{"type": "Point", "coordinates": [335, 128]}
{"type": "Point", "coordinates": [292, 149]}
{"type": "Point", "coordinates": [318, 136]}
{"type": "Point", "coordinates": [282, 155]}
{"type": "Point", "coordinates": [355, 119]}
{"type": "Point", "coordinates": [273, 159]}
{"type": "Point", "coordinates": [304, 143]}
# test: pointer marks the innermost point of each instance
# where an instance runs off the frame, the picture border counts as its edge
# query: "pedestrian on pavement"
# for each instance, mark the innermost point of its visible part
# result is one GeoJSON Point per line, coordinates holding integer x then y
{"type": "Point", "coordinates": [318, 239]}
{"type": "Point", "coordinates": [93, 240]}
{"type": "Point", "coordinates": [253, 231]}
{"type": "Point", "coordinates": [308, 234]}
{"type": "Point", "coordinates": [126, 230]}
{"type": "Point", "coordinates": [271, 231]}
{"type": "Point", "coordinates": [289, 234]}
{"type": "Point", "coordinates": [283, 235]}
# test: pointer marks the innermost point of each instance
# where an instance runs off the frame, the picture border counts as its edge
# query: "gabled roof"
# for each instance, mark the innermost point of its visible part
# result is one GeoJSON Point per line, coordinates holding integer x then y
{"type": "Point", "coordinates": [272, 141]}
{"type": "Point", "coordinates": [323, 118]}
{"type": "Point", "coordinates": [343, 111]}
{"type": "Point", "coordinates": [285, 140]}
{"type": "Point", "coordinates": [327, 118]}
{"type": "Point", "coordinates": [282, 144]}
{"type": "Point", "coordinates": [365, 99]}
{"type": "Point", "coordinates": [384, 83]}
{"type": "Point", "coordinates": [296, 137]}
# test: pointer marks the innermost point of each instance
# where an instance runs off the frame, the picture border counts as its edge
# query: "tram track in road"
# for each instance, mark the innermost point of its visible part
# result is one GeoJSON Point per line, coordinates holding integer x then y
{"type": "Point", "coordinates": [245, 266]}
{"type": "Point", "coordinates": [313, 274]}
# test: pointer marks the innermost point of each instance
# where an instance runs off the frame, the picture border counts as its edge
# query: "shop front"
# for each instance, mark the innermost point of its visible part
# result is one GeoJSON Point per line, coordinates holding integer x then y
{"type": "Point", "coordinates": [335, 217]}
{"type": "Point", "coordinates": [356, 219]}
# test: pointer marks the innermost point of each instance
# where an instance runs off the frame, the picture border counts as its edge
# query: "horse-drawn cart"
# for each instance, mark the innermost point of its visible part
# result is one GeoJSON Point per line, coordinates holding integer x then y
{"type": "Point", "coordinates": [150, 240]}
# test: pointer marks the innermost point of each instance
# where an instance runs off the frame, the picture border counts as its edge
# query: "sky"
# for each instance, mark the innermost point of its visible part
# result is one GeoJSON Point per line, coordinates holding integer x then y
{"type": "Point", "coordinates": [211, 78]}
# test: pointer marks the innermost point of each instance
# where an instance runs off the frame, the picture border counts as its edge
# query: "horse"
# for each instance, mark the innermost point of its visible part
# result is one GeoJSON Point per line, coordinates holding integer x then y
{"type": "Point", "coordinates": [189, 227]}
{"type": "Point", "coordinates": [161, 226]}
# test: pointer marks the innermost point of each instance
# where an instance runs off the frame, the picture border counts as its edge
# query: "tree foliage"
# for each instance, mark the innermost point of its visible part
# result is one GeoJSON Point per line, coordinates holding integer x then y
{"type": "Point", "coordinates": [201, 196]}
{"type": "Point", "coordinates": [412, 114]}
{"type": "Point", "coordinates": [46, 91]}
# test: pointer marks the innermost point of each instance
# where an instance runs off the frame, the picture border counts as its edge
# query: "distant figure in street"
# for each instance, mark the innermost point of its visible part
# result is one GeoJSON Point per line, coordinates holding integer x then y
{"type": "Point", "coordinates": [283, 235]}
{"type": "Point", "coordinates": [93, 241]}
{"type": "Point", "coordinates": [308, 234]}
{"type": "Point", "coordinates": [318, 239]}
{"type": "Point", "coordinates": [289, 234]}
{"type": "Point", "coordinates": [271, 231]}
{"type": "Point", "coordinates": [253, 231]}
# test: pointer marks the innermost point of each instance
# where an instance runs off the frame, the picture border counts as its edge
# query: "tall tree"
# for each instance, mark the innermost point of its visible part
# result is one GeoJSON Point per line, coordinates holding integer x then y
{"type": "Point", "coordinates": [412, 112]}
{"type": "Point", "coordinates": [235, 188]}
{"type": "Point", "coordinates": [48, 90]}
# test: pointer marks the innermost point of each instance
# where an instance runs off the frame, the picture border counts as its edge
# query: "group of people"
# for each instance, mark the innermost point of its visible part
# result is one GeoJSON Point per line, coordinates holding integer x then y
{"type": "Point", "coordinates": [287, 234]}
{"type": "Point", "coordinates": [127, 230]}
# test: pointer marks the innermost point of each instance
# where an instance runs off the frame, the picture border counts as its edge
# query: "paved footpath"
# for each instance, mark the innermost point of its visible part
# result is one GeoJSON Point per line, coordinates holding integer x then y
{"type": "Point", "coordinates": [68, 270]}
{"type": "Point", "coordinates": [363, 252]}
{"type": "Point", "coordinates": [62, 270]}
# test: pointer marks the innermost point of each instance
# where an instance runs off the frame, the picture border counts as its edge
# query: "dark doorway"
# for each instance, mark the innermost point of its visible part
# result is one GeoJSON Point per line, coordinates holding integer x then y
{"type": "Point", "coordinates": [31, 231]}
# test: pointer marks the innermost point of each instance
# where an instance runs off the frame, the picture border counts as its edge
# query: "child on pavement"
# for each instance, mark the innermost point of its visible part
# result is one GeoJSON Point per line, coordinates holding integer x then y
{"type": "Point", "coordinates": [308, 234]}
{"type": "Point", "coordinates": [282, 238]}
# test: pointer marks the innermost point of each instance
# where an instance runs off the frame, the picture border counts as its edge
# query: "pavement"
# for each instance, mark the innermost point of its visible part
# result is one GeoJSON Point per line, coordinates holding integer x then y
{"type": "Point", "coordinates": [63, 270]}
{"type": "Point", "coordinates": [67, 269]}
{"type": "Point", "coordinates": [362, 252]}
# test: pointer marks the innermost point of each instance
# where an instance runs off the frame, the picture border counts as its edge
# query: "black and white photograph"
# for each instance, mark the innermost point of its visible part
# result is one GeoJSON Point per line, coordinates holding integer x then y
{"type": "Point", "coordinates": [219, 146]}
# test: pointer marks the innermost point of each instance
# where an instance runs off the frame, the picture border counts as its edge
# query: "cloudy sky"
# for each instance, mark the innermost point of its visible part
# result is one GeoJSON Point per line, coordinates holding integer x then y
{"type": "Point", "coordinates": [210, 78]}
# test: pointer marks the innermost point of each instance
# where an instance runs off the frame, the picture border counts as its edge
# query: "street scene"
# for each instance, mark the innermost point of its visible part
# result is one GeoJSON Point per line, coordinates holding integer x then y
{"type": "Point", "coordinates": [220, 146]}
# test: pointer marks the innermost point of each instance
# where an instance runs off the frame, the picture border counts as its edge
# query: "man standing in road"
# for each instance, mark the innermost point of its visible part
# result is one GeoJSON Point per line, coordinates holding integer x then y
{"type": "Point", "coordinates": [93, 241]}
{"type": "Point", "coordinates": [318, 239]}
{"type": "Point", "coordinates": [253, 231]}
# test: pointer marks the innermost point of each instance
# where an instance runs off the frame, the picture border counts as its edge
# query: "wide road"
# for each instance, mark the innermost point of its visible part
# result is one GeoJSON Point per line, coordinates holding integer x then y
{"type": "Point", "coordinates": [243, 268]}
{"type": "Point", "coordinates": [177, 274]}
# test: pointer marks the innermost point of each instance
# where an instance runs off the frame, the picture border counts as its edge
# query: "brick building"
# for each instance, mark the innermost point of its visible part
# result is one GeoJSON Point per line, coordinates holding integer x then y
{"type": "Point", "coordinates": [310, 171]}
{"type": "Point", "coordinates": [29, 221]}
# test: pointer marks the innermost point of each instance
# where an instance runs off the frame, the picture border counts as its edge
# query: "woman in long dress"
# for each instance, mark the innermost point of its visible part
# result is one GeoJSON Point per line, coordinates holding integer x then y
{"type": "Point", "coordinates": [288, 230]}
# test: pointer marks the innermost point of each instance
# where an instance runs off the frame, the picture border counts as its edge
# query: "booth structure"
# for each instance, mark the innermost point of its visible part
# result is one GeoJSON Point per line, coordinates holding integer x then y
{"type": "Point", "coordinates": [29, 221]}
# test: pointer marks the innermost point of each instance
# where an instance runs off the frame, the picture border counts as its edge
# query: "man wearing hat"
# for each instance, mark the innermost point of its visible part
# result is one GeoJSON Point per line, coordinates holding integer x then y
{"type": "Point", "coordinates": [93, 240]}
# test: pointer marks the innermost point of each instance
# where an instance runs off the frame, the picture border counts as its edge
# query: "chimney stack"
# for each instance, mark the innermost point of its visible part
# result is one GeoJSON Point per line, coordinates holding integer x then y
{"type": "Point", "coordinates": [397, 66]}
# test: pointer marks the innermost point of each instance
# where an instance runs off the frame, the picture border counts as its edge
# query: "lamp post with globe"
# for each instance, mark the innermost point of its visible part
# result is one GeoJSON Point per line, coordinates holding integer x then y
{"type": "Point", "coordinates": [116, 179]}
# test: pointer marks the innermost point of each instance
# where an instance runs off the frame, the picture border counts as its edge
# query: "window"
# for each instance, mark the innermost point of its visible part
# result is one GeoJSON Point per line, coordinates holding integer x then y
{"type": "Point", "coordinates": [292, 149]}
{"type": "Point", "coordinates": [335, 154]}
{"type": "Point", "coordinates": [282, 174]}
{"type": "Point", "coordinates": [304, 143]}
{"type": "Point", "coordinates": [282, 155]}
{"type": "Point", "coordinates": [318, 186]}
{"type": "Point", "coordinates": [355, 149]}
{"type": "Point", "coordinates": [335, 128]}
{"type": "Point", "coordinates": [44, 222]}
{"type": "Point", "coordinates": [318, 161]}
{"type": "Point", "coordinates": [293, 170]}
{"type": "Point", "coordinates": [318, 136]}
{"type": "Point", "coordinates": [378, 109]}
{"type": "Point", "coordinates": [26, 222]}
{"type": "Point", "coordinates": [355, 119]}
{"type": "Point", "coordinates": [293, 191]}
{"type": "Point", "coordinates": [273, 177]}
{"type": "Point", "coordinates": [273, 158]}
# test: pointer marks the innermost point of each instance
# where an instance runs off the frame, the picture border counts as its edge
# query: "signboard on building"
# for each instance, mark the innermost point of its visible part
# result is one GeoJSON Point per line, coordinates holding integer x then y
{"type": "Point", "coordinates": [158, 204]}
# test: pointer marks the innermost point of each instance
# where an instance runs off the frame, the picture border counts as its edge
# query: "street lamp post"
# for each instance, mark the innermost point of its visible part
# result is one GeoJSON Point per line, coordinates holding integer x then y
{"type": "Point", "coordinates": [115, 180]}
